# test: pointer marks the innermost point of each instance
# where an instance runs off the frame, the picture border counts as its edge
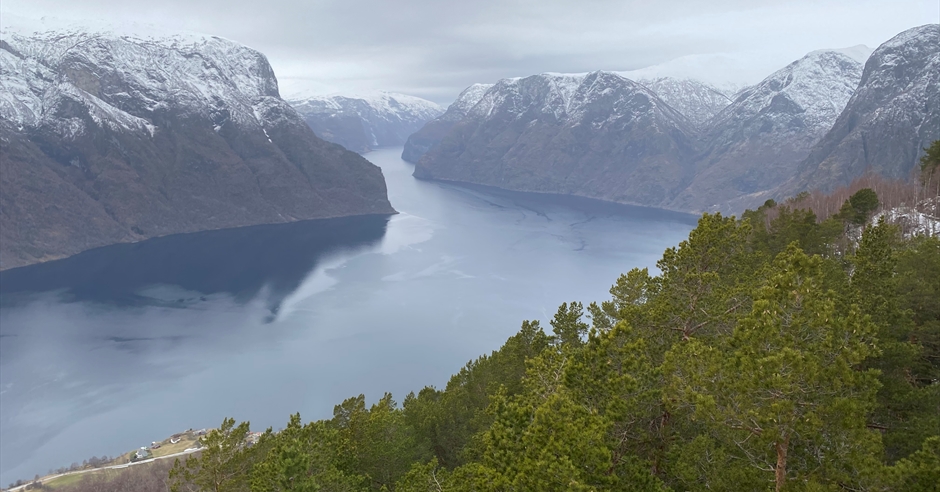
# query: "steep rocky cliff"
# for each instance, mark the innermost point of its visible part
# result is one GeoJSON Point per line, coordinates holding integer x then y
{"type": "Point", "coordinates": [113, 137]}
{"type": "Point", "coordinates": [363, 123]}
{"type": "Point", "coordinates": [757, 142]}
{"type": "Point", "coordinates": [597, 135]}
{"type": "Point", "coordinates": [892, 116]}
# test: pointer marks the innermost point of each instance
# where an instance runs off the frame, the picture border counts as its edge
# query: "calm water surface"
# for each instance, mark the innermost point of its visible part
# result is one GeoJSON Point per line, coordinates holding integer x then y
{"type": "Point", "coordinates": [111, 349]}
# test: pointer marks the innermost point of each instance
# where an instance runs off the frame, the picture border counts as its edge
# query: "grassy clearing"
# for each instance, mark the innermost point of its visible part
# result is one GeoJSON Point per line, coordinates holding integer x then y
{"type": "Point", "coordinates": [74, 478]}
{"type": "Point", "coordinates": [188, 440]}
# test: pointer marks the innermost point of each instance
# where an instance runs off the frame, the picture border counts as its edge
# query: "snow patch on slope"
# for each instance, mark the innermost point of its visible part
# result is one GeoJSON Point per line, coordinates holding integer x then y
{"type": "Point", "coordinates": [914, 221]}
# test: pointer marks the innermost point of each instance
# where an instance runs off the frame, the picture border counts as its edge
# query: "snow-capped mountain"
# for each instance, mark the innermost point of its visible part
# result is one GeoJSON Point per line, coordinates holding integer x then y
{"type": "Point", "coordinates": [715, 152]}
{"type": "Point", "coordinates": [889, 120]}
{"type": "Point", "coordinates": [433, 131]}
{"type": "Point", "coordinates": [757, 142]}
{"type": "Point", "coordinates": [598, 135]}
{"type": "Point", "coordinates": [363, 122]}
{"type": "Point", "coordinates": [698, 101]}
{"type": "Point", "coordinates": [110, 136]}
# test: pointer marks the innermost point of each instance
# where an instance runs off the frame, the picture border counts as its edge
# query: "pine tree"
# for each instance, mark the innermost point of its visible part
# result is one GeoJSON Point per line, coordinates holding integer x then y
{"type": "Point", "coordinates": [784, 393]}
{"type": "Point", "coordinates": [221, 466]}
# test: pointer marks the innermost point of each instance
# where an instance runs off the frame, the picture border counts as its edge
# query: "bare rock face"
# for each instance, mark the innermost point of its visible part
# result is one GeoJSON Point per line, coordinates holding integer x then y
{"type": "Point", "coordinates": [112, 138]}
{"type": "Point", "coordinates": [435, 130]}
{"type": "Point", "coordinates": [597, 135]}
{"type": "Point", "coordinates": [892, 116]}
{"type": "Point", "coordinates": [363, 123]}
{"type": "Point", "coordinates": [757, 142]}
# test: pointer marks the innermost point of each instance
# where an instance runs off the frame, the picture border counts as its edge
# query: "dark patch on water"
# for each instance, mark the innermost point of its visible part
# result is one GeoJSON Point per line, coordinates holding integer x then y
{"type": "Point", "coordinates": [241, 262]}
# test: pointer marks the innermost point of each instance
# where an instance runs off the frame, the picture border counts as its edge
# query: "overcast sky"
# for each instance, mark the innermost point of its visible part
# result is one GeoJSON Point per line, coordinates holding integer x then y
{"type": "Point", "coordinates": [435, 48]}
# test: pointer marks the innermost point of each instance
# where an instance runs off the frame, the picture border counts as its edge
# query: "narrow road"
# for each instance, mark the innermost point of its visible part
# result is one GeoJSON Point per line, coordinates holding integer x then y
{"type": "Point", "coordinates": [112, 467]}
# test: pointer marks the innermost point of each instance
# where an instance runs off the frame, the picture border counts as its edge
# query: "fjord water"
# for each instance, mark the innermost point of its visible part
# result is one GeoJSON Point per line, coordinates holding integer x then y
{"type": "Point", "coordinates": [117, 347]}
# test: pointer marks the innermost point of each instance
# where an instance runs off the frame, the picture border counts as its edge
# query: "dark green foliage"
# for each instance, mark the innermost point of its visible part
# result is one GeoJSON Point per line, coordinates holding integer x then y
{"type": "Point", "coordinates": [920, 472]}
{"type": "Point", "coordinates": [782, 393]}
{"type": "Point", "coordinates": [567, 325]}
{"type": "Point", "coordinates": [222, 466]}
{"type": "Point", "coordinates": [859, 207]}
{"type": "Point", "coordinates": [779, 354]}
{"type": "Point", "coordinates": [302, 458]}
{"type": "Point", "coordinates": [930, 160]}
{"type": "Point", "coordinates": [448, 420]}
{"type": "Point", "coordinates": [793, 225]}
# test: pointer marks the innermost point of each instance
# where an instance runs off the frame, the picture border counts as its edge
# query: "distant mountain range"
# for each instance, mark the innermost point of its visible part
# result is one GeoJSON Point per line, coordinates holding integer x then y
{"type": "Point", "coordinates": [679, 143]}
{"type": "Point", "coordinates": [365, 122]}
{"type": "Point", "coordinates": [112, 136]}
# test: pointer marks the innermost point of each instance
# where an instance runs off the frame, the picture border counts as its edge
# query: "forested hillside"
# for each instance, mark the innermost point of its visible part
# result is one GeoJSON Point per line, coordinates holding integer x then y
{"type": "Point", "coordinates": [775, 351]}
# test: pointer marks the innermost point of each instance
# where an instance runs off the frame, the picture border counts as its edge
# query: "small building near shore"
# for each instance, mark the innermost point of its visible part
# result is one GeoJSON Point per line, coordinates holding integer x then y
{"type": "Point", "coordinates": [141, 454]}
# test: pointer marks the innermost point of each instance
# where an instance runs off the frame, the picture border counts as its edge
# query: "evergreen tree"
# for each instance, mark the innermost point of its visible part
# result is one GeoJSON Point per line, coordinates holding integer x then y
{"type": "Point", "coordinates": [784, 392]}
{"type": "Point", "coordinates": [222, 465]}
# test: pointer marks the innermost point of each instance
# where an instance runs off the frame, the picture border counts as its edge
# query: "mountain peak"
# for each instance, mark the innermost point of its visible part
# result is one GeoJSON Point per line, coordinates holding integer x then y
{"type": "Point", "coordinates": [889, 120]}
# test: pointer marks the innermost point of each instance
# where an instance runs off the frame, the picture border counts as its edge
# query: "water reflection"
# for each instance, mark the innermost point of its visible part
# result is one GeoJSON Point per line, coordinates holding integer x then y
{"type": "Point", "coordinates": [242, 262]}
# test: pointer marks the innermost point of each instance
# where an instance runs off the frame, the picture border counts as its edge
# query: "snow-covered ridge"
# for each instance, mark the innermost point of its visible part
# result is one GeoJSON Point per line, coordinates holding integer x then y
{"type": "Point", "coordinates": [859, 52]}
{"type": "Point", "coordinates": [915, 35]}
{"type": "Point", "coordinates": [698, 101]}
{"type": "Point", "coordinates": [816, 87]}
{"type": "Point", "coordinates": [566, 94]}
{"type": "Point", "coordinates": [552, 91]}
{"type": "Point", "coordinates": [570, 97]}
{"type": "Point", "coordinates": [919, 43]}
{"type": "Point", "coordinates": [123, 77]}
{"type": "Point", "coordinates": [467, 99]}
{"type": "Point", "coordinates": [384, 104]}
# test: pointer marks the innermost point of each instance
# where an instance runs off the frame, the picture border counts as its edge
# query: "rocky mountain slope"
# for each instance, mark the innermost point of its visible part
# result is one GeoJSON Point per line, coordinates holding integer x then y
{"type": "Point", "coordinates": [431, 133]}
{"type": "Point", "coordinates": [696, 100]}
{"type": "Point", "coordinates": [892, 116]}
{"type": "Point", "coordinates": [597, 135]}
{"type": "Point", "coordinates": [114, 137]}
{"type": "Point", "coordinates": [362, 123]}
{"type": "Point", "coordinates": [757, 142]}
